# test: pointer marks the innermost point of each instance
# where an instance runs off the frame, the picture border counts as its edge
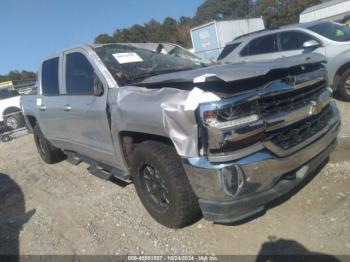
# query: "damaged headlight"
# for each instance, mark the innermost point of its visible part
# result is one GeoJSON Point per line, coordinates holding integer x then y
{"type": "Point", "coordinates": [231, 115]}
{"type": "Point", "coordinates": [229, 125]}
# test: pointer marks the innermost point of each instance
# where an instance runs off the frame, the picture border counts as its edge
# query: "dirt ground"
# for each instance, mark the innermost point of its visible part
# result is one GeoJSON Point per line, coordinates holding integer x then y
{"type": "Point", "coordinates": [62, 209]}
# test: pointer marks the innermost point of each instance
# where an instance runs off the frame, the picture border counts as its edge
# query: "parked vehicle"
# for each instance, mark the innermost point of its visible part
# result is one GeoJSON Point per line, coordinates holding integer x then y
{"type": "Point", "coordinates": [10, 111]}
{"type": "Point", "coordinates": [326, 38]}
{"type": "Point", "coordinates": [221, 140]}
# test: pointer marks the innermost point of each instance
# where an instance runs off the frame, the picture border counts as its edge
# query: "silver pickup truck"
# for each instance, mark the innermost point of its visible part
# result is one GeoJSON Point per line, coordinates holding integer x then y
{"type": "Point", "coordinates": [218, 140]}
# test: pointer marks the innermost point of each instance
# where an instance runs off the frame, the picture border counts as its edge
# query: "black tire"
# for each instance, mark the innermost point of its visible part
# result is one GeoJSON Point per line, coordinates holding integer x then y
{"type": "Point", "coordinates": [14, 120]}
{"type": "Point", "coordinates": [47, 151]}
{"type": "Point", "coordinates": [178, 206]}
{"type": "Point", "coordinates": [5, 138]}
{"type": "Point", "coordinates": [344, 86]}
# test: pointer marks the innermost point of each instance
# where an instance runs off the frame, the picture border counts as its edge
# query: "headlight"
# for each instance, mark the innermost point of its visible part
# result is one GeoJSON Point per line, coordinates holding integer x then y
{"type": "Point", "coordinates": [229, 116]}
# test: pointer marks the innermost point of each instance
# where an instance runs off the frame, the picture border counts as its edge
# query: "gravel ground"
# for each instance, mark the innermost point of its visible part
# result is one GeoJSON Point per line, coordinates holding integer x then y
{"type": "Point", "coordinates": [62, 209]}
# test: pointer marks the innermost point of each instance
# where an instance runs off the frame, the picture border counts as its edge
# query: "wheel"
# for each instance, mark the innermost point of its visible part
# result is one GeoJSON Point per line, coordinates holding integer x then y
{"type": "Point", "coordinates": [344, 85]}
{"type": "Point", "coordinates": [14, 120]}
{"type": "Point", "coordinates": [47, 151]}
{"type": "Point", "coordinates": [5, 138]}
{"type": "Point", "coordinates": [162, 185]}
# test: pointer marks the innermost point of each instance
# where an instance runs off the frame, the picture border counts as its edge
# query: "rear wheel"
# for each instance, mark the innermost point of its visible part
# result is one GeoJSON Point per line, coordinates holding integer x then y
{"type": "Point", "coordinates": [162, 185]}
{"type": "Point", "coordinates": [49, 153]}
{"type": "Point", "coordinates": [344, 86]}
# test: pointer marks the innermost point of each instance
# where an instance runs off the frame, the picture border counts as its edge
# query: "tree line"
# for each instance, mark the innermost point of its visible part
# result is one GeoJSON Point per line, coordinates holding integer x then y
{"type": "Point", "coordinates": [274, 12]}
{"type": "Point", "coordinates": [18, 75]}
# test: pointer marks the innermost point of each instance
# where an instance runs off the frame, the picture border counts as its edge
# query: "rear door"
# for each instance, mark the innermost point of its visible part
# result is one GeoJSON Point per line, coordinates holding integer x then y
{"type": "Point", "coordinates": [50, 103]}
{"type": "Point", "coordinates": [86, 114]}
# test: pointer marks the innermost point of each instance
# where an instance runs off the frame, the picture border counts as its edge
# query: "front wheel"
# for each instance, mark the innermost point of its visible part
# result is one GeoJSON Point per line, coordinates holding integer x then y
{"type": "Point", "coordinates": [344, 86]}
{"type": "Point", "coordinates": [162, 185]}
{"type": "Point", "coordinates": [47, 151]}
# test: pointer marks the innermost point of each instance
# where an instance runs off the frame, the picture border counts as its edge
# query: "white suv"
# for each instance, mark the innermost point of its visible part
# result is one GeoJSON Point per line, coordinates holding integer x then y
{"type": "Point", "coordinates": [10, 111]}
{"type": "Point", "coordinates": [327, 38]}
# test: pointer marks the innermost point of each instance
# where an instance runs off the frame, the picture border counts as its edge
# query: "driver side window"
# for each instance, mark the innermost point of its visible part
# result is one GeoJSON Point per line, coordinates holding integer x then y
{"type": "Point", "coordinates": [79, 75]}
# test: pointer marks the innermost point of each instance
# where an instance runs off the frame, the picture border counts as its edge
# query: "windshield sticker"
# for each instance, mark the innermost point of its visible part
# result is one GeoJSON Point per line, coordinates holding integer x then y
{"type": "Point", "coordinates": [124, 58]}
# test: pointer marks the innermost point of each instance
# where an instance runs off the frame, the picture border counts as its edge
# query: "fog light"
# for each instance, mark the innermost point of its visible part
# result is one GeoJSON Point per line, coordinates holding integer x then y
{"type": "Point", "coordinates": [231, 179]}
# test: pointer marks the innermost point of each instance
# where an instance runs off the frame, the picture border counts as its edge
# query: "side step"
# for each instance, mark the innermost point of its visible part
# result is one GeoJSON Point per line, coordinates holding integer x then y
{"type": "Point", "coordinates": [100, 170]}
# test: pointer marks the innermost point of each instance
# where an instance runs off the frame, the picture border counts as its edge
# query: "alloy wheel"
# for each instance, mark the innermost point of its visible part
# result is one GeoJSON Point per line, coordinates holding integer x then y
{"type": "Point", "coordinates": [12, 122]}
{"type": "Point", "coordinates": [155, 187]}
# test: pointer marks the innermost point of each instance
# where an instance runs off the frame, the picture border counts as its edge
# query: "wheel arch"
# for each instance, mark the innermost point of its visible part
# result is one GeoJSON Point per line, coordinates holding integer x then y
{"type": "Point", "coordinates": [339, 72]}
{"type": "Point", "coordinates": [129, 140]}
{"type": "Point", "coordinates": [11, 109]}
{"type": "Point", "coordinates": [30, 122]}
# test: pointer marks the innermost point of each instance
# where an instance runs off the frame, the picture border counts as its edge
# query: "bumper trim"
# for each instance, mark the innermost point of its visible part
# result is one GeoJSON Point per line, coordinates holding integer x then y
{"type": "Point", "coordinates": [237, 210]}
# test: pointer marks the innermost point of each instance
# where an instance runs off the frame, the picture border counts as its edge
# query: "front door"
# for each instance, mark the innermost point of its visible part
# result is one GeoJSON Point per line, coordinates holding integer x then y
{"type": "Point", "coordinates": [86, 114]}
{"type": "Point", "coordinates": [292, 43]}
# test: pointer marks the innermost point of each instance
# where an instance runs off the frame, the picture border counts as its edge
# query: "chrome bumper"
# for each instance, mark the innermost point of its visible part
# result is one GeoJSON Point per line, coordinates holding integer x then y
{"type": "Point", "coordinates": [260, 171]}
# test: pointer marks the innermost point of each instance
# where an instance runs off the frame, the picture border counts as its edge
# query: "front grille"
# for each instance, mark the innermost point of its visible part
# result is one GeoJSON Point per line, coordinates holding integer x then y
{"type": "Point", "coordinates": [292, 135]}
{"type": "Point", "coordinates": [290, 100]}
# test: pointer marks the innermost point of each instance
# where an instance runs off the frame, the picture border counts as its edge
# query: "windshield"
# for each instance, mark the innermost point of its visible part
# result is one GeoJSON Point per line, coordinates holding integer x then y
{"type": "Point", "coordinates": [333, 31]}
{"type": "Point", "coordinates": [129, 64]}
{"type": "Point", "coordinates": [182, 52]}
{"type": "Point", "coordinates": [7, 93]}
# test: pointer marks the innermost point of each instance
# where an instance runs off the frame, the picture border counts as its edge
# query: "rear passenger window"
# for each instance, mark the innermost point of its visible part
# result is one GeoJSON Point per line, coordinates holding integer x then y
{"type": "Point", "coordinates": [49, 77]}
{"type": "Point", "coordinates": [227, 50]}
{"type": "Point", "coordinates": [79, 75]}
{"type": "Point", "coordinates": [262, 45]}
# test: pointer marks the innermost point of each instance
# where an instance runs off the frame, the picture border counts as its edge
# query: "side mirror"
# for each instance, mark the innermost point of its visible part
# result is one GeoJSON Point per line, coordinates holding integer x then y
{"type": "Point", "coordinates": [311, 44]}
{"type": "Point", "coordinates": [98, 87]}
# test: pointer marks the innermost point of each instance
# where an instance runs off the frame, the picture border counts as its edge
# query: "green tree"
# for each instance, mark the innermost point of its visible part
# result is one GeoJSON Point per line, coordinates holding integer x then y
{"type": "Point", "coordinates": [222, 9]}
{"type": "Point", "coordinates": [169, 30]}
{"type": "Point", "coordinates": [282, 12]}
{"type": "Point", "coordinates": [121, 35]}
{"type": "Point", "coordinates": [17, 75]}
{"type": "Point", "coordinates": [153, 30]}
{"type": "Point", "coordinates": [137, 34]}
{"type": "Point", "coordinates": [104, 39]}
{"type": "Point", "coordinates": [183, 31]}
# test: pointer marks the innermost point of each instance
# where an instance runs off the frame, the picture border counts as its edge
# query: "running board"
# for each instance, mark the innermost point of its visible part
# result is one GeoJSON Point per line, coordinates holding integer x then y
{"type": "Point", "coordinates": [100, 170]}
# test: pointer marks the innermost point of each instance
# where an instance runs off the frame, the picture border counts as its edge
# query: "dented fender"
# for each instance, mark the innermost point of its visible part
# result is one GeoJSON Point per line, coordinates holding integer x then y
{"type": "Point", "coordinates": [167, 112]}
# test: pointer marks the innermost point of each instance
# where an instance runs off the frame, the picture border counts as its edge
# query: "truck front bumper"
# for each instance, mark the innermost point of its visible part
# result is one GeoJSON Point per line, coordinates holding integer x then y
{"type": "Point", "coordinates": [258, 179]}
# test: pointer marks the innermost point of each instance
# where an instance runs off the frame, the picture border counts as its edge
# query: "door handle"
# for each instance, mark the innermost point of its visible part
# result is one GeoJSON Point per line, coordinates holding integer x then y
{"type": "Point", "coordinates": [67, 108]}
{"type": "Point", "coordinates": [42, 108]}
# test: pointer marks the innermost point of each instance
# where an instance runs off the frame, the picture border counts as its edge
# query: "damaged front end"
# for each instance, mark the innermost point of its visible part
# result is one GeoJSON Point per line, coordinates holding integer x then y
{"type": "Point", "coordinates": [247, 133]}
{"type": "Point", "coordinates": [260, 144]}
{"type": "Point", "coordinates": [235, 127]}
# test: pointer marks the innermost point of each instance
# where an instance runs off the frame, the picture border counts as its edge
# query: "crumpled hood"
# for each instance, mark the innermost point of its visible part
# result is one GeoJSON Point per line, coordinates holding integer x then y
{"type": "Point", "coordinates": [234, 72]}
